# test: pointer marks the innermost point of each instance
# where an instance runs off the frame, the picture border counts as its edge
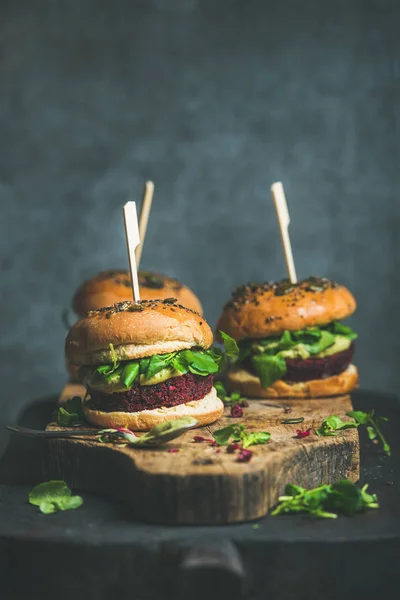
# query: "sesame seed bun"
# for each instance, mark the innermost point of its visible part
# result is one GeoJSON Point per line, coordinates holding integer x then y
{"type": "Point", "coordinates": [136, 330]}
{"type": "Point", "coordinates": [249, 385]}
{"type": "Point", "coordinates": [109, 287]}
{"type": "Point", "coordinates": [268, 309]}
{"type": "Point", "coordinates": [206, 411]}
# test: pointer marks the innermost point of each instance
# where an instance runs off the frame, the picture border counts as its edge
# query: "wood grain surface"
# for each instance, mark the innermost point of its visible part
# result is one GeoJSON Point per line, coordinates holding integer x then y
{"type": "Point", "coordinates": [200, 484]}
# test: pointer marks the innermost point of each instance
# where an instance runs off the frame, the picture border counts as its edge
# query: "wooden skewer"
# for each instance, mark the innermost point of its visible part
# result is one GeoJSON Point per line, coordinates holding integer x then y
{"type": "Point", "coordinates": [278, 196]}
{"type": "Point", "coordinates": [144, 218]}
{"type": "Point", "coordinates": [132, 241]}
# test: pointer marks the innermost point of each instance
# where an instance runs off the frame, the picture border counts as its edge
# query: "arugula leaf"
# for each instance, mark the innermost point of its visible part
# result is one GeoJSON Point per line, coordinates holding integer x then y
{"type": "Point", "coordinates": [157, 363]}
{"type": "Point", "coordinates": [230, 345]}
{"type": "Point", "coordinates": [104, 369]}
{"type": "Point", "coordinates": [130, 373]}
{"type": "Point", "coordinates": [325, 341]}
{"type": "Point", "coordinates": [201, 363]}
{"type": "Point", "coordinates": [180, 362]}
{"type": "Point", "coordinates": [69, 503]}
{"type": "Point", "coordinates": [360, 417]}
{"type": "Point", "coordinates": [238, 433]}
{"type": "Point", "coordinates": [143, 365]}
{"type": "Point", "coordinates": [74, 405]}
{"type": "Point", "coordinates": [286, 342]}
{"type": "Point", "coordinates": [369, 419]}
{"type": "Point", "coordinates": [293, 490]}
{"type": "Point", "coordinates": [370, 500]}
{"type": "Point", "coordinates": [345, 497]}
{"type": "Point", "coordinates": [51, 496]}
{"type": "Point", "coordinates": [47, 507]}
{"type": "Point", "coordinates": [255, 438]}
{"type": "Point", "coordinates": [338, 328]}
{"type": "Point", "coordinates": [71, 413]}
{"type": "Point", "coordinates": [269, 368]}
{"type": "Point", "coordinates": [228, 399]}
{"type": "Point", "coordinates": [330, 425]}
{"type": "Point", "coordinates": [220, 389]}
{"type": "Point", "coordinates": [341, 497]}
{"type": "Point", "coordinates": [222, 436]}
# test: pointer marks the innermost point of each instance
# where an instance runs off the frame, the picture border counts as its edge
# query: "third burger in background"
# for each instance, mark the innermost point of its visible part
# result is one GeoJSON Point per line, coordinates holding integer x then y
{"type": "Point", "coordinates": [291, 343]}
{"type": "Point", "coordinates": [108, 287]}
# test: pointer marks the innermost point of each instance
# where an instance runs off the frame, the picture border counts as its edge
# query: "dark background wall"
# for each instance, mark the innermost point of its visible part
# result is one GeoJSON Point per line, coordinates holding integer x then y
{"type": "Point", "coordinates": [213, 100]}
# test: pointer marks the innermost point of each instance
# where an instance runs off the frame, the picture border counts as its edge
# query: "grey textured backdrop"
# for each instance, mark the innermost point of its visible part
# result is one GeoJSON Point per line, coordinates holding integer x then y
{"type": "Point", "coordinates": [213, 100]}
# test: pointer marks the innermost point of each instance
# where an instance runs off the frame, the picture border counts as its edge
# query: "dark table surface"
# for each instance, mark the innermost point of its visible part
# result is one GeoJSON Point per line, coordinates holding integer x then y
{"type": "Point", "coordinates": [98, 552]}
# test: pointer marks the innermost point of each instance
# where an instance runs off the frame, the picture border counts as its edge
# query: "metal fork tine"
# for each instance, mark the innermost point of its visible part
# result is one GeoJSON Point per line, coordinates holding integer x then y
{"type": "Point", "coordinates": [48, 433]}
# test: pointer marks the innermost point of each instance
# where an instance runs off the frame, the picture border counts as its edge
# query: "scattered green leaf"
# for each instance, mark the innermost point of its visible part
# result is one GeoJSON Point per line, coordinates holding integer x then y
{"type": "Point", "coordinates": [71, 413]}
{"type": "Point", "coordinates": [231, 347]}
{"type": "Point", "coordinates": [372, 422]}
{"type": "Point", "coordinates": [229, 399]}
{"type": "Point", "coordinates": [254, 438]}
{"type": "Point", "coordinates": [269, 368]}
{"type": "Point", "coordinates": [51, 496]}
{"type": "Point", "coordinates": [238, 433]}
{"type": "Point", "coordinates": [326, 501]}
{"type": "Point", "coordinates": [222, 436]}
{"type": "Point", "coordinates": [330, 425]}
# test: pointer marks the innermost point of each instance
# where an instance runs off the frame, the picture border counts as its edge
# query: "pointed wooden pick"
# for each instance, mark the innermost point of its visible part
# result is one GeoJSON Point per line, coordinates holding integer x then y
{"type": "Point", "coordinates": [144, 218]}
{"type": "Point", "coordinates": [282, 212]}
{"type": "Point", "coordinates": [132, 241]}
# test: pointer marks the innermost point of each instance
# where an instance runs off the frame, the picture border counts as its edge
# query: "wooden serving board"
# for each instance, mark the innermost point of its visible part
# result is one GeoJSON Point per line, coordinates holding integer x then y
{"type": "Point", "coordinates": [198, 484]}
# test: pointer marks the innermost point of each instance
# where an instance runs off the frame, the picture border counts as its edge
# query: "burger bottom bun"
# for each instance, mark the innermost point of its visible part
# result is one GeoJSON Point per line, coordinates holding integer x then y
{"type": "Point", "coordinates": [249, 385]}
{"type": "Point", "coordinates": [206, 411]}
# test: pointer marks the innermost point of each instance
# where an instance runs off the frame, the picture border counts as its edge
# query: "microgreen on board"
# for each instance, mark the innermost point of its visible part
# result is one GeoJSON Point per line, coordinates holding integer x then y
{"type": "Point", "coordinates": [326, 501]}
{"type": "Point", "coordinates": [372, 424]}
{"type": "Point", "coordinates": [332, 424]}
{"type": "Point", "coordinates": [238, 433]}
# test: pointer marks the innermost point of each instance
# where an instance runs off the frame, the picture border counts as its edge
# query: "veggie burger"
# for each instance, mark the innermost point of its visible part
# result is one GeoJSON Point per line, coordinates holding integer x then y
{"type": "Point", "coordinates": [291, 342]}
{"type": "Point", "coordinates": [144, 363]}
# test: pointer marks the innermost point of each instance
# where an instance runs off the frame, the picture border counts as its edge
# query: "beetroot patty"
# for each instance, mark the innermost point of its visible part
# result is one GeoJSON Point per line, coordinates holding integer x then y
{"type": "Point", "coordinates": [318, 368]}
{"type": "Point", "coordinates": [174, 391]}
